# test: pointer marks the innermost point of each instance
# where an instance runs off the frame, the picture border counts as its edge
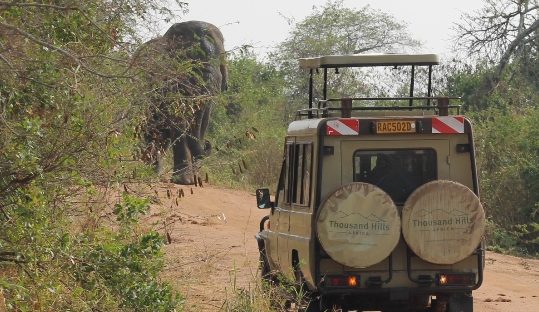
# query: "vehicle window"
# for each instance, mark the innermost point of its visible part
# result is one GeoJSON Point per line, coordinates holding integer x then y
{"type": "Point", "coordinates": [280, 186]}
{"type": "Point", "coordinates": [289, 176]}
{"type": "Point", "coordinates": [298, 173]}
{"type": "Point", "coordinates": [306, 184]}
{"type": "Point", "coordinates": [397, 172]}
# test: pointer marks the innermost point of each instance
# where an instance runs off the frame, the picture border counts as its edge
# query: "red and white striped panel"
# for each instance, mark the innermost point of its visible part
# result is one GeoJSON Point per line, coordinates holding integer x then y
{"type": "Point", "coordinates": [342, 127]}
{"type": "Point", "coordinates": [448, 124]}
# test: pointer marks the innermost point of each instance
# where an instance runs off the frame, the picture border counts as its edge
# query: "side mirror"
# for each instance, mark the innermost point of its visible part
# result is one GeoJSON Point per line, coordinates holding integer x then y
{"type": "Point", "coordinates": [263, 199]}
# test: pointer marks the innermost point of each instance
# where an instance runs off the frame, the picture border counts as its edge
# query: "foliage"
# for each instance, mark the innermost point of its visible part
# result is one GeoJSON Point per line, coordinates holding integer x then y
{"type": "Point", "coordinates": [127, 265]}
{"type": "Point", "coordinates": [96, 269]}
{"type": "Point", "coordinates": [502, 30]}
{"type": "Point", "coordinates": [500, 92]}
{"type": "Point", "coordinates": [505, 123]}
{"type": "Point", "coordinates": [281, 296]}
{"type": "Point", "coordinates": [503, 37]}
{"type": "Point", "coordinates": [508, 158]}
{"type": "Point", "coordinates": [247, 132]}
{"type": "Point", "coordinates": [66, 122]}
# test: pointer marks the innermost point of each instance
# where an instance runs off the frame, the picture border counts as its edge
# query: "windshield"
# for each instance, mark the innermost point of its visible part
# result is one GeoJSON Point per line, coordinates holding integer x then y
{"type": "Point", "coordinates": [397, 172]}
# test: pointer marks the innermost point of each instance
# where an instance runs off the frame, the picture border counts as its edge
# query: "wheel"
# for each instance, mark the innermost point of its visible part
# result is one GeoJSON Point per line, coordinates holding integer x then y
{"type": "Point", "coordinates": [307, 300]}
{"type": "Point", "coordinates": [460, 303]}
{"type": "Point", "coordinates": [313, 305]}
{"type": "Point", "coordinates": [265, 271]}
{"type": "Point", "coordinates": [419, 303]}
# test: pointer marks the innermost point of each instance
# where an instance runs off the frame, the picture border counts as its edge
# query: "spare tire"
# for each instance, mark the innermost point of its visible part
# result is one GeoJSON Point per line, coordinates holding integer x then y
{"type": "Point", "coordinates": [443, 222]}
{"type": "Point", "coordinates": [358, 225]}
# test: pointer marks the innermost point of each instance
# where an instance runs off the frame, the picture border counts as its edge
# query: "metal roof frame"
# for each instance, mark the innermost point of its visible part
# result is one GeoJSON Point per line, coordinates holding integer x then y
{"type": "Point", "coordinates": [361, 60]}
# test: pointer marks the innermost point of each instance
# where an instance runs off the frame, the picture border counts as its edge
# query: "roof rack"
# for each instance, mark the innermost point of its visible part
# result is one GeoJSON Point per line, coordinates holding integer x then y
{"type": "Point", "coordinates": [363, 60]}
{"type": "Point", "coordinates": [322, 110]}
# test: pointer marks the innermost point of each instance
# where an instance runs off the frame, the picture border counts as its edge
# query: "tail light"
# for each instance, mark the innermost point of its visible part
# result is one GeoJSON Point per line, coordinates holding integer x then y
{"type": "Point", "coordinates": [342, 281]}
{"type": "Point", "coordinates": [455, 279]}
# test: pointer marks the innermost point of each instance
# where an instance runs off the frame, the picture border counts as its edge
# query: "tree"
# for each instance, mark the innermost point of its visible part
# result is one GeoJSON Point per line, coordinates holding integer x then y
{"type": "Point", "coordinates": [336, 29]}
{"type": "Point", "coordinates": [66, 91]}
{"type": "Point", "coordinates": [60, 64]}
{"type": "Point", "coordinates": [503, 31]}
{"type": "Point", "coordinates": [500, 89]}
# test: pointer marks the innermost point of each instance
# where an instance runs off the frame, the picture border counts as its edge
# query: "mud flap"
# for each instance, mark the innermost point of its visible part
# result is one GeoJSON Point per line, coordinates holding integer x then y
{"type": "Point", "coordinates": [460, 303]}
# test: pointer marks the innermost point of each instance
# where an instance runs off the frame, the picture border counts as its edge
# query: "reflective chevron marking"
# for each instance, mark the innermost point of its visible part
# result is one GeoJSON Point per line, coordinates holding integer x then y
{"type": "Point", "coordinates": [448, 124]}
{"type": "Point", "coordinates": [342, 127]}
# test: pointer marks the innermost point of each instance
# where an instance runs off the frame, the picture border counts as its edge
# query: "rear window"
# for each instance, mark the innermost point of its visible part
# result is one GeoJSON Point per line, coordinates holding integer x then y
{"type": "Point", "coordinates": [397, 172]}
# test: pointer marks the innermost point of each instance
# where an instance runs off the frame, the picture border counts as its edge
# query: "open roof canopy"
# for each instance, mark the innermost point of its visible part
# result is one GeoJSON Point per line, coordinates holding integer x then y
{"type": "Point", "coordinates": [359, 60]}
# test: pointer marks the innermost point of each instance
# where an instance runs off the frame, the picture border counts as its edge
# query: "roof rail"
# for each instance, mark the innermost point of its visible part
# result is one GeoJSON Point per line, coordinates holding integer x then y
{"type": "Point", "coordinates": [322, 110]}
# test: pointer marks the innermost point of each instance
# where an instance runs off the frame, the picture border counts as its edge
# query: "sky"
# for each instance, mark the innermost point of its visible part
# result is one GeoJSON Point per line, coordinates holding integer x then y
{"type": "Point", "coordinates": [263, 24]}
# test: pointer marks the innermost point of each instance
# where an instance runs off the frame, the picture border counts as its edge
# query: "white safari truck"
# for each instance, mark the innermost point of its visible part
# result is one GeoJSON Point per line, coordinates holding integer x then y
{"type": "Point", "coordinates": [377, 205]}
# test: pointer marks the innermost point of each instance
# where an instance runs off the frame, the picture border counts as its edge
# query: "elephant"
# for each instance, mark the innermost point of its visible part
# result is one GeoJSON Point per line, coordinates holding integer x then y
{"type": "Point", "coordinates": [188, 71]}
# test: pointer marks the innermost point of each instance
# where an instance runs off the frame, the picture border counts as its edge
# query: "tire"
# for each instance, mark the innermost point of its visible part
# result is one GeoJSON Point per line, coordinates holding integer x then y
{"type": "Point", "coordinates": [460, 303]}
{"type": "Point", "coordinates": [313, 305]}
{"type": "Point", "coordinates": [265, 270]}
{"type": "Point", "coordinates": [419, 303]}
{"type": "Point", "coordinates": [460, 227]}
{"type": "Point", "coordinates": [309, 301]}
{"type": "Point", "coordinates": [365, 245]}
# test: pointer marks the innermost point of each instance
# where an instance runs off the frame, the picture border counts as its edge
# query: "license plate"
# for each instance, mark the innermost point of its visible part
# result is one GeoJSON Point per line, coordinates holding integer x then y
{"type": "Point", "coordinates": [395, 126]}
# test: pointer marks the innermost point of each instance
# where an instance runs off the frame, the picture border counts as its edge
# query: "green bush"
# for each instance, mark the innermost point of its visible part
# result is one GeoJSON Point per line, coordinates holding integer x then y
{"type": "Point", "coordinates": [67, 123]}
{"type": "Point", "coordinates": [508, 158]}
{"type": "Point", "coordinates": [248, 128]}
{"type": "Point", "coordinates": [128, 266]}
{"type": "Point", "coordinates": [57, 269]}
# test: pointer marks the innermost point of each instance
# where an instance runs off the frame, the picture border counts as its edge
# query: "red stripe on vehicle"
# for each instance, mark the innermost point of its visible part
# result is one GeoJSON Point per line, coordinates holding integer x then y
{"type": "Point", "coordinates": [448, 124]}
{"type": "Point", "coordinates": [342, 127]}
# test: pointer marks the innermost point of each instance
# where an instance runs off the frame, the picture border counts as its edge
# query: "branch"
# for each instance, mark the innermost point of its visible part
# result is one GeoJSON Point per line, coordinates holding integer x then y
{"type": "Point", "coordinates": [10, 256]}
{"type": "Point", "coordinates": [61, 51]}
{"type": "Point", "coordinates": [512, 46]}
{"type": "Point", "coordinates": [38, 5]}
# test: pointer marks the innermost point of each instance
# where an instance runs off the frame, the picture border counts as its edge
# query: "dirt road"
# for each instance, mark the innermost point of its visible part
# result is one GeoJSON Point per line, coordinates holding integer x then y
{"type": "Point", "coordinates": [212, 250]}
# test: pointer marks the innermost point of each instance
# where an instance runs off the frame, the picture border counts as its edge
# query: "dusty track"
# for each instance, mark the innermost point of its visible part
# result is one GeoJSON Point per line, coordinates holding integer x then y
{"type": "Point", "coordinates": [212, 250]}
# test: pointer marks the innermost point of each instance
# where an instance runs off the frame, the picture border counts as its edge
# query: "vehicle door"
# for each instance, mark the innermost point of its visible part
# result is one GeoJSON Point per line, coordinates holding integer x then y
{"type": "Point", "coordinates": [283, 208]}
{"type": "Point", "coordinates": [272, 248]}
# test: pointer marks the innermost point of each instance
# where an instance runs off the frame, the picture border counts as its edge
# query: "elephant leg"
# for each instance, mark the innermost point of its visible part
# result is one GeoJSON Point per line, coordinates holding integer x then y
{"type": "Point", "coordinates": [183, 170]}
{"type": "Point", "coordinates": [198, 145]}
{"type": "Point", "coordinates": [196, 152]}
{"type": "Point", "coordinates": [204, 126]}
{"type": "Point", "coordinates": [196, 139]}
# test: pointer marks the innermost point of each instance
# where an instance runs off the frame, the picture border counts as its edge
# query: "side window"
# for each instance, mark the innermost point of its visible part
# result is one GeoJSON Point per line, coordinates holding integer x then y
{"type": "Point", "coordinates": [298, 194]}
{"type": "Point", "coordinates": [279, 197]}
{"type": "Point", "coordinates": [307, 168]}
{"type": "Point", "coordinates": [289, 186]}
{"type": "Point", "coordinates": [297, 182]}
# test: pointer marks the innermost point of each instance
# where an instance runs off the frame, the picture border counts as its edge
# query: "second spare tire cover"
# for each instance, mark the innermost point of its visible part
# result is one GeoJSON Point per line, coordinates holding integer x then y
{"type": "Point", "coordinates": [358, 225]}
{"type": "Point", "coordinates": [443, 222]}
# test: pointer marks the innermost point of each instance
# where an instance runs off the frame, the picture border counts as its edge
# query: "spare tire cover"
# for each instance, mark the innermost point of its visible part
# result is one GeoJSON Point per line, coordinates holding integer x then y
{"type": "Point", "coordinates": [358, 225]}
{"type": "Point", "coordinates": [443, 222]}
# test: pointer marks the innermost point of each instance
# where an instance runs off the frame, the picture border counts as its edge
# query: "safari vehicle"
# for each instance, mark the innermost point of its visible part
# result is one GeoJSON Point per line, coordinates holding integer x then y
{"type": "Point", "coordinates": [377, 205]}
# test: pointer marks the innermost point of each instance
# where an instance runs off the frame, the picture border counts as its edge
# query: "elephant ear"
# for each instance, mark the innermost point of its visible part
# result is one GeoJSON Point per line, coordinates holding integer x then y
{"type": "Point", "coordinates": [215, 37]}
